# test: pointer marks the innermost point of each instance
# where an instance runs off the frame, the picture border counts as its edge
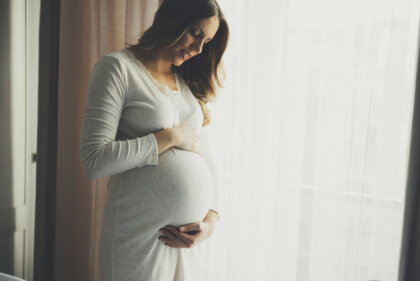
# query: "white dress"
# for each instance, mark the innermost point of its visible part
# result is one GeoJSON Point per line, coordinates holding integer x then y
{"type": "Point", "coordinates": [147, 191]}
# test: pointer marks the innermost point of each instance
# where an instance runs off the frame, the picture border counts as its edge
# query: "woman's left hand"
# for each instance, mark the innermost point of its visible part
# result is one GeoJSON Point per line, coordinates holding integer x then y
{"type": "Point", "coordinates": [187, 235]}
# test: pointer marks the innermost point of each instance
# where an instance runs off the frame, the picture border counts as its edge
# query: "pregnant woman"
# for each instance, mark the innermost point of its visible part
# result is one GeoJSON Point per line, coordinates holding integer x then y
{"type": "Point", "coordinates": [145, 125]}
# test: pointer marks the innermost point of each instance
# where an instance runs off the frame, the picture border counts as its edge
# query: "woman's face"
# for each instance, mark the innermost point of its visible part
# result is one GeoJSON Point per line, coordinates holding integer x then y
{"type": "Point", "coordinates": [191, 43]}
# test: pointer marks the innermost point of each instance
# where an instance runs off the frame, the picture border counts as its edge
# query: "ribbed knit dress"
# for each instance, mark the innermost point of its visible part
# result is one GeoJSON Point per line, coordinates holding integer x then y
{"type": "Point", "coordinates": [125, 106]}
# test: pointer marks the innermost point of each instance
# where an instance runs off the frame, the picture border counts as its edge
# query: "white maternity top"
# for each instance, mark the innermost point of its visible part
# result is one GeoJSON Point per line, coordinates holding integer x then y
{"type": "Point", "coordinates": [147, 191]}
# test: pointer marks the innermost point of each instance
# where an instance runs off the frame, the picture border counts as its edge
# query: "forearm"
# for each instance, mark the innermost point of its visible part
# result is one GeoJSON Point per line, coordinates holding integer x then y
{"type": "Point", "coordinates": [103, 156]}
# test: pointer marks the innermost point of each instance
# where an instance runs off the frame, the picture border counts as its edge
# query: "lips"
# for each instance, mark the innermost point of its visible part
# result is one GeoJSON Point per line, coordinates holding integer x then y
{"type": "Point", "coordinates": [185, 55]}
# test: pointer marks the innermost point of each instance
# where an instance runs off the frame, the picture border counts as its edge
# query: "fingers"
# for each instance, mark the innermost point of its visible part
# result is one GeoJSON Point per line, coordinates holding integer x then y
{"type": "Point", "coordinates": [188, 240]}
{"type": "Point", "coordinates": [171, 243]}
{"type": "Point", "coordinates": [174, 238]}
{"type": "Point", "coordinates": [171, 238]}
{"type": "Point", "coordinates": [196, 226]}
{"type": "Point", "coordinates": [197, 149]}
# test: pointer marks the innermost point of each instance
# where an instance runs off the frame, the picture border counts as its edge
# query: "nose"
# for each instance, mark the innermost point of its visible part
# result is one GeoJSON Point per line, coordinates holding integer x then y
{"type": "Point", "coordinates": [198, 46]}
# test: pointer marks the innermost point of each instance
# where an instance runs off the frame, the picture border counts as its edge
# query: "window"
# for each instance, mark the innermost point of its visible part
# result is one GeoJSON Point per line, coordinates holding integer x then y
{"type": "Point", "coordinates": [312, 132]}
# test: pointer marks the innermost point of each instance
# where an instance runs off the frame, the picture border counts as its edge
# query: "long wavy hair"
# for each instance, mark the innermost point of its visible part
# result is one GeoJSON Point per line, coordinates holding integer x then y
{"type": "Point", "coordinates": [203, 72]}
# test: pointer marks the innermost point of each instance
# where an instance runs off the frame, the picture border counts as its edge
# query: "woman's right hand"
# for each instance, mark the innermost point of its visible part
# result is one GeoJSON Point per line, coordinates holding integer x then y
{"type": "Point", "coordinates": [186, 138]}
{"type": "Point", "coordinates": [181, 137]}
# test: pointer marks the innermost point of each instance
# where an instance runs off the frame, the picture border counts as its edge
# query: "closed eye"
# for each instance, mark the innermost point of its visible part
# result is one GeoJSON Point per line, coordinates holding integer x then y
{"type": "Point", "coordinates": [198, 33]}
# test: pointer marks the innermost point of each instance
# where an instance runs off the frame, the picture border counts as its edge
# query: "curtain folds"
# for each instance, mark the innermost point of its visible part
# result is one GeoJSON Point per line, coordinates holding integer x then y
{"type": "Point", "coordinates": [88, 30]}
{"type": "Point", "coordinates": [313, 134]}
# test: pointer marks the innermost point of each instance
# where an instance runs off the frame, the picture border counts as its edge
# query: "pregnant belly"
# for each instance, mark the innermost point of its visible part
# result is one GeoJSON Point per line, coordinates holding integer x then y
{"type": "Point", "coordinates": [178, 190]}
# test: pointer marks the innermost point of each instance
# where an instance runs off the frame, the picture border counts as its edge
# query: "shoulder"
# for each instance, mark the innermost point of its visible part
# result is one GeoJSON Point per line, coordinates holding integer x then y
{"type": "Point", "coordinates": [110, 69]}
{"type": "Point", "coordinates": [115, 61]}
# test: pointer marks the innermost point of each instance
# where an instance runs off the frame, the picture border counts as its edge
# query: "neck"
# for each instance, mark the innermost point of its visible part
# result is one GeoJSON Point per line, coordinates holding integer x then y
{"type": "Point", "coordinates": [155, 60]}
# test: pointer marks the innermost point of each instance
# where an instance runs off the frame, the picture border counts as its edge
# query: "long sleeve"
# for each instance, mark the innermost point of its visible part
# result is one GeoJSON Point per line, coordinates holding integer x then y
{"type": "Point", "coordinates": [206, 149]}
{"type": "Point", "coordinates": [101, 155]}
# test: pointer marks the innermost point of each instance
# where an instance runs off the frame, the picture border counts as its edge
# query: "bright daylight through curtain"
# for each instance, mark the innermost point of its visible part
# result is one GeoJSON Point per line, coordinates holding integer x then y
{"type": "Point", "coordinates": [312, 132]}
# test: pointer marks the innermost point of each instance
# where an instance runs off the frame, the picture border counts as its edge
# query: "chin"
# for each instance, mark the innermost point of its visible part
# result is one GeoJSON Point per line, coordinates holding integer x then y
{"type": "Point", "coordinates": [178, 62]}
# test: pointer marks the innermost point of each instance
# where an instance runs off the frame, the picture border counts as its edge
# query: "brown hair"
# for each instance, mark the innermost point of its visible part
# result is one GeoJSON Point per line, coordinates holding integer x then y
{"type": "Point", "coordinates": [202, 72]}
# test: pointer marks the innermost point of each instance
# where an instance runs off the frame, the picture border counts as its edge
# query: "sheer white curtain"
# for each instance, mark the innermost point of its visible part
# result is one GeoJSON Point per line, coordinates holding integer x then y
{"type": "Point", "coordinates": [312, 133]}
